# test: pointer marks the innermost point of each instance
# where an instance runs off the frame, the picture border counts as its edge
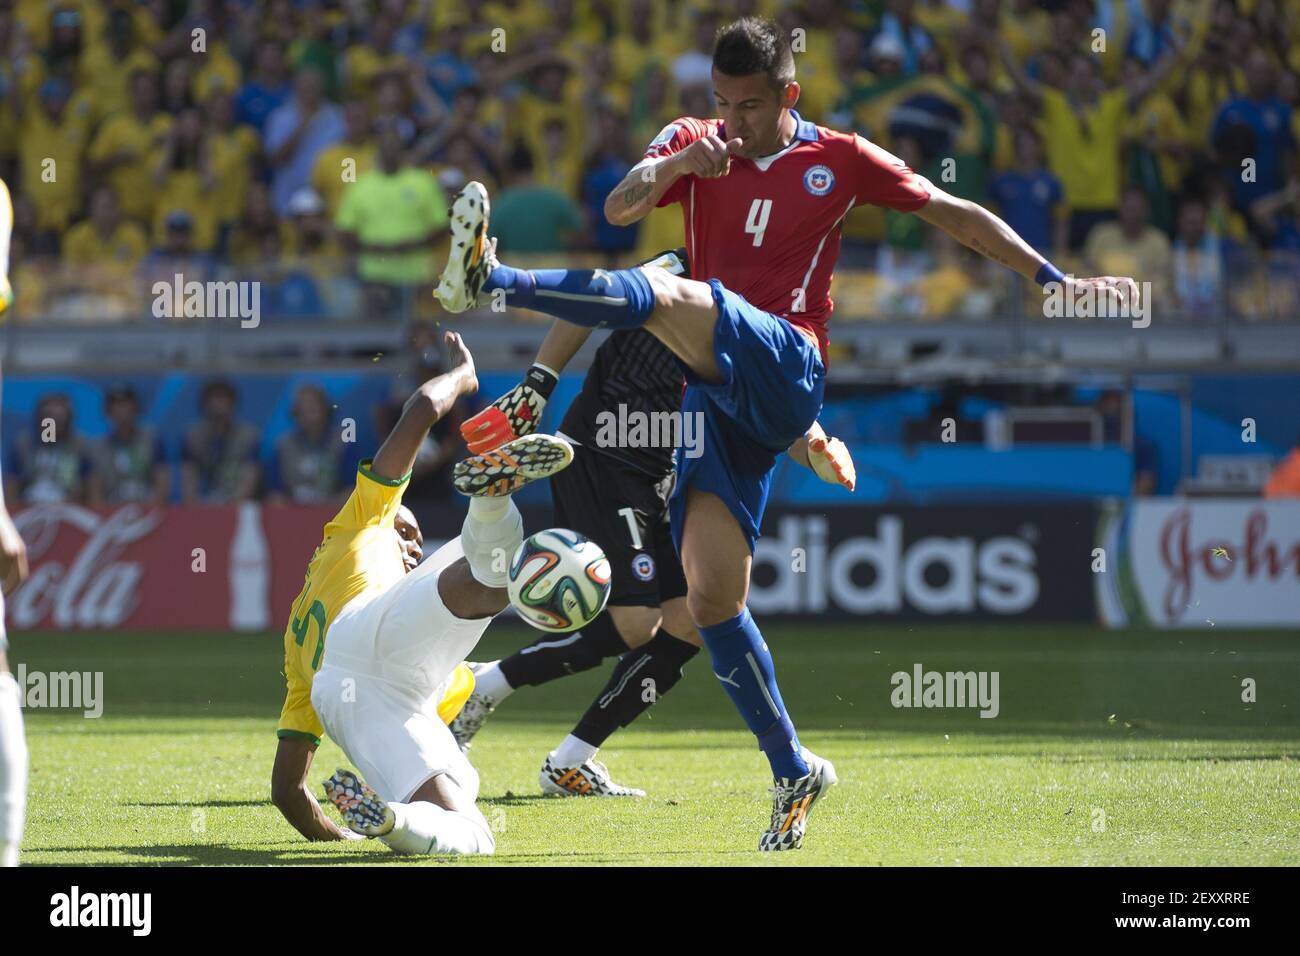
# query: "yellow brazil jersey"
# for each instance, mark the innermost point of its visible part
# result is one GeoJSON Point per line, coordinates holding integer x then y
{"type": "Point", "coordinates": [118, 252]}
{"type": "Point", "coordinates": [50, 156]}
{"type": "Point", "coordinates": [233, 151]}
{"type": "Point", "coordinates": [1084, 151]}
{"type": "Point", "coordinates": [359, 552]}
{"type": "Point", "coordinates": [124, 135]}
{"type": "Point", "coordinates": [184, 189]}
{"type": "Point", "coordinates": [220, 73]}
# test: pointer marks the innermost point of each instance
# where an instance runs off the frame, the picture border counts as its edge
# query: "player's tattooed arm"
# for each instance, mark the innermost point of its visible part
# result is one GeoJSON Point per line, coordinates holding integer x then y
{"type": "Point", "coordinates": [976, 228]}
{"type": "Point", "coordinates": [643, 186]}
{"type": "Point", "coordinates": [431, 401]}
{"type": "Point", "coordinates": [647, 181]}
{"type": "Point", "coordinates": [636, 194]}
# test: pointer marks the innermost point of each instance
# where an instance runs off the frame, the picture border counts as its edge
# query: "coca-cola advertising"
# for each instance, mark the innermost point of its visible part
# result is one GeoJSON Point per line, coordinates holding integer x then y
{"type": "Point", "coordinates": [157, 568]}
{"type": "Point", "coordinates": [1202, 563]}
{"type": "Point", "coordinates": [239, 567]}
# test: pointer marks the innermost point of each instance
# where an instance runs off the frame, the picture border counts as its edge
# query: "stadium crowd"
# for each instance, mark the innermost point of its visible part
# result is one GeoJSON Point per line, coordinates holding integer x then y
{"type": "Point", "coordinates": [218, 456]}
{"type": "Point", "coordinates": [313, 144]}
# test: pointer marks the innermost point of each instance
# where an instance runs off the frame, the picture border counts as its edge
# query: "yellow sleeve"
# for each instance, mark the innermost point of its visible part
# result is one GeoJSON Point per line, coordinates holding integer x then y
{"type": "Point", "coordinates": [104, 143]}
{"type": "Point", "coordinates": [459, 687]}
{"type": "Point", "coordinates": [298, 717]}
{"type": "Point", "coordinates": [373, 502]}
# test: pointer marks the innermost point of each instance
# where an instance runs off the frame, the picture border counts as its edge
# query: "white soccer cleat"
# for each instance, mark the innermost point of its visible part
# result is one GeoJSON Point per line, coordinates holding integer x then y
{"type": "Point", "coordinates": [589, 780]}
{"type": "Point", "coordinates": [505, 470]}
{"type": "Point", "coordinates": [470, 719]}
{"type": "Point", "coordinates": [473, 253]}
{"type": "Point", "coordinates": [361, 808]}
{"type": "Point", "coordinates": [792, 801]}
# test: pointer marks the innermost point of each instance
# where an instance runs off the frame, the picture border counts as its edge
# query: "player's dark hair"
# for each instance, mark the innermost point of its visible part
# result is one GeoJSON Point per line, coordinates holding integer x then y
{"type": "Point", "coordinates": [754, 45]}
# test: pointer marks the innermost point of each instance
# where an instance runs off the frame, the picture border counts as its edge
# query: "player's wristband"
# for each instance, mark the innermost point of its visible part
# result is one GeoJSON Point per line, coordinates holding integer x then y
{"type": "Point", "coordinates": [1048, 273]}
{"type": "Point", "coordinates": [541, 380]}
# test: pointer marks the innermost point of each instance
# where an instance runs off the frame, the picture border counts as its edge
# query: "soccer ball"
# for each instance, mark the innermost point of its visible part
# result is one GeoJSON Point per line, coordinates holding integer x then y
{"type": "Point", "coordinates": [558, 580]}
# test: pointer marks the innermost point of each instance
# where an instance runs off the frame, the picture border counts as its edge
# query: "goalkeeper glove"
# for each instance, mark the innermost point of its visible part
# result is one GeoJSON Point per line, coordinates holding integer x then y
{"type": "Point", "coordinates": [831, 460]}
{"type": "Point", "coordinates": [513, 415]}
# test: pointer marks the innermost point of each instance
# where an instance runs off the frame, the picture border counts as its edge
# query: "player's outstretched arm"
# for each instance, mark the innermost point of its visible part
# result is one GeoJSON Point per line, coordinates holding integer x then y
{"type": "Point", "coordinates": [517, 412]}
{"type": "Point", "coordinates": [292, 795]}
{"type": "Point", "coordinates": [432, 400]}
{"type": "Point", "coordinates": [563, 341]}
{"type": "Point", "coordinates": [976, 228]}
{"type": "Point", "coordinates": [828, 457]}
{"type": "Point", "coordinates": [647, 181]}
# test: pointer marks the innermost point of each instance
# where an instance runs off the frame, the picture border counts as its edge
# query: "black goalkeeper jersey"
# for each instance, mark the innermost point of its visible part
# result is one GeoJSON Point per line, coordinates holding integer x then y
{"type": "Point", "coordinates": [634, 370]}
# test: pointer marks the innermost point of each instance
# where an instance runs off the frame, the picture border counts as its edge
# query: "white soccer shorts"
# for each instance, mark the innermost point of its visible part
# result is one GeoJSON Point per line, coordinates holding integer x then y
{"type": "Point", "coordinates": [388, 656]}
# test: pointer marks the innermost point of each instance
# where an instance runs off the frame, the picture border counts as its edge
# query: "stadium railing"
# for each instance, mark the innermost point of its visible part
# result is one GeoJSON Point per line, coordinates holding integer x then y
{"type": "Point", "coordinates": [902, 310]}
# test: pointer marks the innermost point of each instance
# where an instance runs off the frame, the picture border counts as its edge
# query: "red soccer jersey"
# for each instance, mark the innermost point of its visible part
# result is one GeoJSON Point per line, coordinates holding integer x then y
{"type": "Point", "coordinates": [770, 229]}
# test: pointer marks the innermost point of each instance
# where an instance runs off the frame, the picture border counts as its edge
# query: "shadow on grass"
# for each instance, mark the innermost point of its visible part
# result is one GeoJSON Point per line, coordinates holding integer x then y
{"type": "Point", "coordinates": [198, 803]}
{"type": "Point", "coordinates": [222, 855]}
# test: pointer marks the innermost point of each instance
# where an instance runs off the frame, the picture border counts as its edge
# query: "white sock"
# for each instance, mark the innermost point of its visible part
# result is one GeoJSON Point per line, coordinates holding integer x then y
{"type": "Point", "coordinates": [572, 752]}
{"type": "Point", "coordinates": [426, 828]}
{"type": "Point", "coordinates": [490, 536]}
{"type": "Point", "coordinates": [13, 770]}
{"type": "Point", "coordinates": [489, 680]}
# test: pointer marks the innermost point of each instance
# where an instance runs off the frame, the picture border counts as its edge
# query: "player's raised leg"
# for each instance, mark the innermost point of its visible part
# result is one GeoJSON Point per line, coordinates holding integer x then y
{"type": "Point", "coordinates": [679, 312]}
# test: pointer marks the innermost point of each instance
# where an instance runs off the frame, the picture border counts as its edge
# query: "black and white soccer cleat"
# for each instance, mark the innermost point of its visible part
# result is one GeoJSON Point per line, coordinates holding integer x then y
{"type": "Point", "coordinates": [591, 779]}
{"type": "Point", "coordinates": [473, 253]}
{"type": "Point", "coordinates": [792, 801]}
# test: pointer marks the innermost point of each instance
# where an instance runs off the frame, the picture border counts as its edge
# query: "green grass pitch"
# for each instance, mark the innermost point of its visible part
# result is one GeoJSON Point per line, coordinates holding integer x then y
{"type": "Point", "coordinates": [1110, 748]}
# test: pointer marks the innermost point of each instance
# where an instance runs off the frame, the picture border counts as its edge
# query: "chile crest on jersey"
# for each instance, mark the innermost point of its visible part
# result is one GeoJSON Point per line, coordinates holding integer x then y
{"type": "Point", "coordinates": [819, 180]}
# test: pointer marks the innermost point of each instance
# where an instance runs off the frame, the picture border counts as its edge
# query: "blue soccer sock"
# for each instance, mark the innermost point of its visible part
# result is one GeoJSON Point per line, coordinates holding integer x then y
{"type": "Point", "coordinates": [743, 664]}
{"type": "Point", "coordinates": [592, 298]}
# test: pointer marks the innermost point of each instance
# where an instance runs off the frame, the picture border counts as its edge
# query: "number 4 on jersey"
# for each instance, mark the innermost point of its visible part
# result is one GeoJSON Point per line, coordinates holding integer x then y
{"type": "Point", "coordinates": [756, 224]}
